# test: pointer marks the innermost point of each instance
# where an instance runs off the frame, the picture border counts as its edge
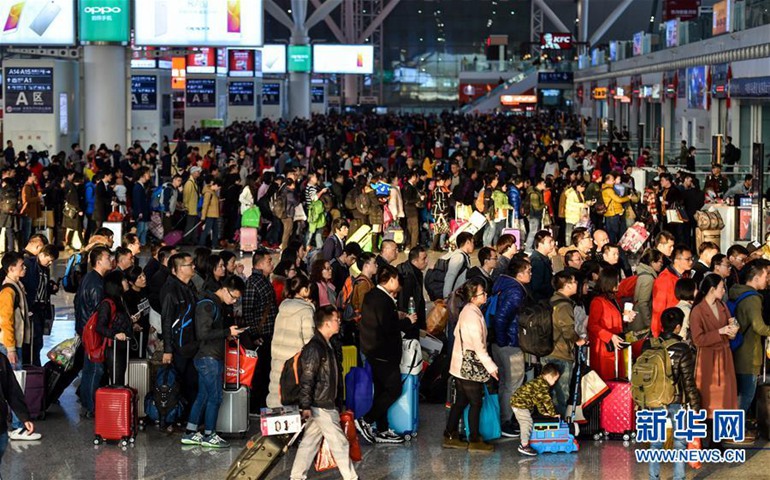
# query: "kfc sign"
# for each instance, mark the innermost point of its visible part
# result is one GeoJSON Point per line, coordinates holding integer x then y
{"type": "Point", "coordinates": [555, 41]}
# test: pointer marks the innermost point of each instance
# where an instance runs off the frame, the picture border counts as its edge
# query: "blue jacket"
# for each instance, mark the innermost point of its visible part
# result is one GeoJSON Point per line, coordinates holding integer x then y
{"type": "Point", "coordinates": [514, 198]}
{"type": "Point", "coordinates": [90, 197]}
{"type": "Point", "coordinates": [140, 202]}
{"type": "Point", "coordinates": [512, 298]}
{"type": "Point", "coordinates": [542, 272]}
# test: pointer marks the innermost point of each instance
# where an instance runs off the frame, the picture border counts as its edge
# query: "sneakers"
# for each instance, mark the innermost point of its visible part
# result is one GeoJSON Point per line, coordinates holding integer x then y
{"type": "Point", "coordinates": [527, 450]}
{"type": "Point", "coordinates": [23, 434]}
{"type": "Point", "coordinates": [482, 447]}
{"type": "Point", "coordinates": [389, 436]}
{"type": "Point", "coordinates": [215, 441]}
{"type": "Point", "coordinates": [364, 429]}
{"type": "Point", "coordinates": [451, 441]}
{"type": "Point", "coordinates": [195, 438]}
{"type": "Point", "coordinates": [508, 430]}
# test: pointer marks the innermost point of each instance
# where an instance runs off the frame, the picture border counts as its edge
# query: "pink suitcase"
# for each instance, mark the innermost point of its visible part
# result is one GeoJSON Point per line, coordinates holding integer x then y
{"type": "Point", "coordinates": [249, 239]}
{"type": "Point", "coordinates": [511, 225]}
{"type": "Point", "coordinates": [616, 414]}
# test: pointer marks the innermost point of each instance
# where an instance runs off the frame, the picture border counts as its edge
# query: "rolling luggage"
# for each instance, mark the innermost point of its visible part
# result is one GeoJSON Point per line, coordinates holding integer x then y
{"type": "Point", "coordinates": [359, 390]}
{"type": "Point", "coordinates": [115, 416]}
{"type": "Point", "coordinates": [617, 409]}
{"type": "Point", "coordinates": [260, 455]}
{"type": "Point", "coordinates": [34, 389]}
{"type": "Point", "coordinates": [763, 400]}
{"type": "Point", "coordinates": [472, 226]}
{"type": "Point", "coordinates": [403, 414]}
{"type": "Point", "coordinates": [249, 239]}
{"type": "Point", "coordinates": [173, 238]}
{"type": "Point", "coordinates": [57, 379]}
{"type": "Point", "coordinates": [138, 376]}
{"type": "Point", "coordinates": [583, 416]}
{"type": "Point", "coordinates": [511, 228]}
{"type": "Point", "coordinates": [233, 418]}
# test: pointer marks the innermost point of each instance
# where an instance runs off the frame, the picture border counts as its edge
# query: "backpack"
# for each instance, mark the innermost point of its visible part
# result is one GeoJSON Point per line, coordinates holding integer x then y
{"type": "Point", "coordinates": [73, 273]}
{"type": "Point", "coordinates": [156, 201]}
{"type": "Point", "coordinates": [363, 204]}
{"type": "Point", "coordinates": [348, 313]}
{"type": "Point", "coordinates": [94, 344]}
{"type": "Point", "coordinates": [732, 305]}
{"type": "Point", "coordinates": [434, 278]}
{"type": "Point", "coordinates": [350, 200]}
{"type": "Point", "coordinates": [536, 328]}
{"type": "Point", "coordinates": [652, 378]}
{"type": "Point", "coordinates": [183, 332]}
{"type": "Point", "coordinates": [277, 205]}
{"type": "Point", "coordinates": [164, 403]}
{"type": "Point", "coordinates": [289, 383]}
{"type": "Point", "coordinates": [526, 204]}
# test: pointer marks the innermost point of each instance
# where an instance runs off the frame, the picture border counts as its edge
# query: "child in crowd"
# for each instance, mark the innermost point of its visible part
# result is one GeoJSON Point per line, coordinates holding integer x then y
{"type": "Point", "coordinates": [534, 394]}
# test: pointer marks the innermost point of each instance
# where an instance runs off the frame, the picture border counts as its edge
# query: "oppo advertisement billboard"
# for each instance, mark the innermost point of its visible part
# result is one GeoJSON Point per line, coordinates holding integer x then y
{"type": "Point", "coordinates": [104, 21]}
{"type": "Point", "coordinates": [343, 59]}
{"type": "Point", "coordinates": [37, 22]}
{"type": "Point", "coordinates": [270, 59]}
{"type": "Point", "coordinates": [213, 23]}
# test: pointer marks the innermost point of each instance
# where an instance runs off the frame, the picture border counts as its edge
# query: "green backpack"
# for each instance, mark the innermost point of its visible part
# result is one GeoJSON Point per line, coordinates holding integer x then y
{"type": "Point", "coordinates": [251, 217]}
{"type": "Point", "coordinates": [652, 379]}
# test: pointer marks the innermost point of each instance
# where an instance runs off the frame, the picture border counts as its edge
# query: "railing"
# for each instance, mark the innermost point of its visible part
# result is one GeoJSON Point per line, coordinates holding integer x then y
{"type": "Point", "coordinates": [498, 89]}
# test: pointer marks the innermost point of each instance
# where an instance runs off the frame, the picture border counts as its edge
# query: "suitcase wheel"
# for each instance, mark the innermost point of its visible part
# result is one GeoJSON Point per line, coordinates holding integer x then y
{"type": "Point", "coordinates": [97, 440]}
{"type": "Point", "coordinates": [626, 437]}
{"type": "Point", "coordinates": [597, 436]}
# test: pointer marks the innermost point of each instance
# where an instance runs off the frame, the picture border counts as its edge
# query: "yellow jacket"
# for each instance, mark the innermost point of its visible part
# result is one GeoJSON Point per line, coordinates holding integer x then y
{"type": "Point", "coordinates": [210, 207]}
{"type": "Point", "coordinates": [573, 207]}
{"type": "Point", "coordinates": [13, 326]}
{"type": "Point", "coordinates": [190, 196]}
{"type": "Point", "coordinates": [613, 201]}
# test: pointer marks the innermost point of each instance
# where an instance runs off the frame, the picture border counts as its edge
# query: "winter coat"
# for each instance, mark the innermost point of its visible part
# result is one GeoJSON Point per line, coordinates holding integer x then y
{"type": "Point", "coordinates": [564, 335]}
{"type": "Point", "coordinates": [574, 206]}
{"type": "Point", "coordinates": [714, 368]}
{"type": "Point", "coordinates": [535, 394]}
{"type": "Point", "coordinates": [210, 207]}
{"type": "Point", "coordinates": [190, 195]}
{"type": "Point", "coordinates": [748, 357]}
{"type": "Point", "coordinates": [542, 273]}
{"type": "Point", "coordinates": [321, 383]}
{"type": "Point", "coordinates": [613, 201]}
{"type": "Point", "coordinates": [663, 296]}
{"type": "Point", "coordinates": [293, 329]}
{"type": "Point", "coordinates": [604, 321]}
{"type": "Point", "coordinates": [645, 279]}
{"type": "Point", "coordinates": [473, 329]}
{"type": "Point", "coordinates": [513, 296]}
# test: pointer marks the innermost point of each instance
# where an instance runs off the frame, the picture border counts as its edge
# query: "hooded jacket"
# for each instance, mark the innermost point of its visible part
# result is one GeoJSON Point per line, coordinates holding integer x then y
{"type": "Point", "coordinates": [748, 357]}
{"type": "Point", "coordinates": [512, 297]}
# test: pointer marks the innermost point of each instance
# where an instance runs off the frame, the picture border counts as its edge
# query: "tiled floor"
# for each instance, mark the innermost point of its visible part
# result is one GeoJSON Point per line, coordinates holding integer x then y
{"type": "Point", "coordinates": [67, 452]}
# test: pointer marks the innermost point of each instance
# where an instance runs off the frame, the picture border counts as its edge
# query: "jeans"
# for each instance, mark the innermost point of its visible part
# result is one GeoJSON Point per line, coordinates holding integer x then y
{"type": "Point", "coordinates": [141, 231]}
{"type": "Point", "coordinates": [510, 361]}
{"type": "Point", "coordinates": [15, 422]}
{"type": "Point", "coordinates": [210, 372]}
{"type": "Point", "coordinates": [468, 393]}
{"type": "Point", "coordinates": [747, 387]}
{"type": "Point", "coordinates": [561, 389]}
{"type": "Point", "coordinates": [210, 227]}
{"type": "Point", "coordinates": [89, 383]}
{"type": "Point", "coordinates": [534, 227]}
{"type": "Point", "coordinates": [25, 226]}
{"type": "Point", "coordinates": [492, 233]}
{"type": "Point", "coordinates": [3, 444]}
{"type": "Point", "coordinates": [323, 424]}
{"type": "Point", "coordinates": [615, 227]}
{"type": "Point", "coordinates": [315, 239]}
{"type": "Point", "coordinates": [679, 444]}
{"type": "Point", "coordinates": [568, 227]}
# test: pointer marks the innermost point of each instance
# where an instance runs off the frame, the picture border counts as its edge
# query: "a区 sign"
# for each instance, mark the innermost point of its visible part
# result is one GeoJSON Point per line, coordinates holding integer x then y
{"type": "Point", "coordinates": [28, 90]}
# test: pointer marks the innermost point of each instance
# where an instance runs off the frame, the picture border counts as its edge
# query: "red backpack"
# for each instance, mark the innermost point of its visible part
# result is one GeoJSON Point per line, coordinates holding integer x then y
{"type": "Point", "coordinates": [93, 343]}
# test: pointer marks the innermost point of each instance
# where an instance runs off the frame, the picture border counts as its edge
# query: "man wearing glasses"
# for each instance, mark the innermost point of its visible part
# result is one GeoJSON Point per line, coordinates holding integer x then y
{"type": "Point", "coordinates": [663, 296]}
{"type": "Point", "coordinates": [177, 307]}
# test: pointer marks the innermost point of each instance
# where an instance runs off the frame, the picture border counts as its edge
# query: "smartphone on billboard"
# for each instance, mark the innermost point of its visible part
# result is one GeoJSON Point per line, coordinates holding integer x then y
{"type": "Point", "coordinates": [360, 60]}
{"type": "Point", "coordinates": [14, 15]}
{"type": "Point", "coordinates": [233, 16]}
{"type": "Point", "coordinates": [45, 18]}
{"type": "Point", "coordinates": [161, 17]}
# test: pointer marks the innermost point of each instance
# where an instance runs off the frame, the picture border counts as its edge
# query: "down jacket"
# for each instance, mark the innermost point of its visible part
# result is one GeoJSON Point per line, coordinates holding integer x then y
{"type": "Point", "coordinates": [512, 297]}
{"type": "Point", "coordinates": [294, 328]}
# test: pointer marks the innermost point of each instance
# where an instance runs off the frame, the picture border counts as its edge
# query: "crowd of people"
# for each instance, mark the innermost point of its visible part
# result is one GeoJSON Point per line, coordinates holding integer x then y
{"type": "Point", "coordinates": [338, 198]}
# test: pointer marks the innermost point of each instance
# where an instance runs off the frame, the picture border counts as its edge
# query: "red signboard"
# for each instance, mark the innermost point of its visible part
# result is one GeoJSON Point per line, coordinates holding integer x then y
{"type": "Point", "coordinates": [681, 9]}
{"type": "Point", "coordinates": [555, 41]}
{"type": "Point", "coordinates": [241, 62]}
{"type": "Point", "coordinates": [203, 61]}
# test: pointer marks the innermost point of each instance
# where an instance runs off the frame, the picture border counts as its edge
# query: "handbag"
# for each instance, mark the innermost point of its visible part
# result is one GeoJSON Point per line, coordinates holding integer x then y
{"type": "Point", "coordinates": [70, 211]}
{"type": "Point", "coordinates": [472, 369]}
{"type": "Point", "coordinates": [251, 218]}
{"type": "Point", "coordinates": [547, 220]}
{"type": "Point", "coordinates": [248, 361]}
{"type": "Point", "coordinates": [489, 419]}
{"type": "Point", "coordinates": [672, 216]}
{"type": "Point", "coordinates": [411, 357]}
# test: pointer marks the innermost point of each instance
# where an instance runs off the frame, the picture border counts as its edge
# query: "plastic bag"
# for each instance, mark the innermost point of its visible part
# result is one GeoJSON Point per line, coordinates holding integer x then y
{"type": "Point", "coordinates": [248, 363]}
{"type": "Point", "coordinates": [64, 353]}
{"type": "Point", "coordinates": [346, 419]}
{"type": "Point", "coordinates": [694, 445]}
{"type": "Point", "coordinates": [324, 460]}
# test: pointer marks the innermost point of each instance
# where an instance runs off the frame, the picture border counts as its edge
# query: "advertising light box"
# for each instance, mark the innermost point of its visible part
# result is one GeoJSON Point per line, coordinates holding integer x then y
{"type": "Point", "coordinates": [343, 59]}
{"type": "Point", "coordinates": [270, 59]}
{"type": "Point", "coordinates": [104, 21]}
{"type": "Point", "coordinates": [212, 23]}
{"type": "Point", "coordinates": [241, 63]}
{"type": "Point", "coordinates": [299, 58]}
{"type": "Point", "coordinates": [38, 22]}
{"type": "Point", "coordinates": [28, 90]}
{"type": "Point", "coordinates": [203, 61]}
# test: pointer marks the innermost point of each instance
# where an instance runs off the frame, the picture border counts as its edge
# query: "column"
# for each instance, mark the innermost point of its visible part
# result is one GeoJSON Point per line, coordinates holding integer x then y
{"type": "Point", "coordinates": [105, 93]}
{"type": "Point", "coordinates": [299, 95]}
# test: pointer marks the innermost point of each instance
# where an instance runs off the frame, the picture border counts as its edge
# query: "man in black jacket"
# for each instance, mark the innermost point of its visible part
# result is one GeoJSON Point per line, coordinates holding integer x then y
{"type": "Point", "coordinates": [413, 200]}
{"type": "Point", "coordinates": [683, 373]}
{"type": "Point", "coordinates": [411, 279]}
{"type": "Point", "coordinates": [102, 199]}
{"type": "Point", "coordinates": [11, 395]}
{"type": "Point", "coordinates": [320, 398]}
{"type": "Point", "coordinates": [210, 361]}
{"type": "Point", "coordinates": [177, 308]}
{"type": "Point", "coordinates": [156, 281]}
{"type": "Point", "coordinates": [381, 327]}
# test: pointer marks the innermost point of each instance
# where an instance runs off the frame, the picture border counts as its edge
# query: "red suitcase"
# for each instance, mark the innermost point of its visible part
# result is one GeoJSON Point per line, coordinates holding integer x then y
{"type": "Point", "coordinates": [115, 412]}
{"type": "Point", "coordinates": [248, 239]}
{"type": "Point", "coordinates": [616, 414]}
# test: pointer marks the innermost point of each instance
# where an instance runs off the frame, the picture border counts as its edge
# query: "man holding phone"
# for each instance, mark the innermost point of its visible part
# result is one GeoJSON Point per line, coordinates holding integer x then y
{"type": "Point", "coordinates": [210, 361]}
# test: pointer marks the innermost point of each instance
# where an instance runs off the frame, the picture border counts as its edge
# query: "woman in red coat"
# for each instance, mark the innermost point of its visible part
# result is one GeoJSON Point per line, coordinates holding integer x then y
{"type": "Point", "coordinates": [605, 325]}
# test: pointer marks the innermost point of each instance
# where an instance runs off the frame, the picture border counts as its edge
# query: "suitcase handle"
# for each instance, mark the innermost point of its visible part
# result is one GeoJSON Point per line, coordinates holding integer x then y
{"type": "Point", "coordinates": [115, 361]}
{"type": "Point", "coordinates": [141, 340]}
{"type": "Point", "coordinates": [630, 360]}
{"type": "Point", "coordinates": [237, 363]}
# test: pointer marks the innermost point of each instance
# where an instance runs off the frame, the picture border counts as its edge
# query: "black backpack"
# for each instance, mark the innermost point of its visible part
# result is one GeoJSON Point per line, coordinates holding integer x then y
{"type": "Point", "coordinates": [166, 394]}
{"type": "Point", "coordinates": [434, 278]}
{"type": "Point", "coordinates": [536, 328]}
{"type": "Point", "coordinates": [289, 382]}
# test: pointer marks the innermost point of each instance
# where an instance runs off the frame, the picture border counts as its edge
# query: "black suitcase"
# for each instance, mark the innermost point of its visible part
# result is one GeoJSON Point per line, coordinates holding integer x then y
{"type": "Point", "coordinates": [589, 428]}
{"type": "Point", "coordinates": [57, 380]}
{"type": "Point", "coordinates": [260, 456]}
